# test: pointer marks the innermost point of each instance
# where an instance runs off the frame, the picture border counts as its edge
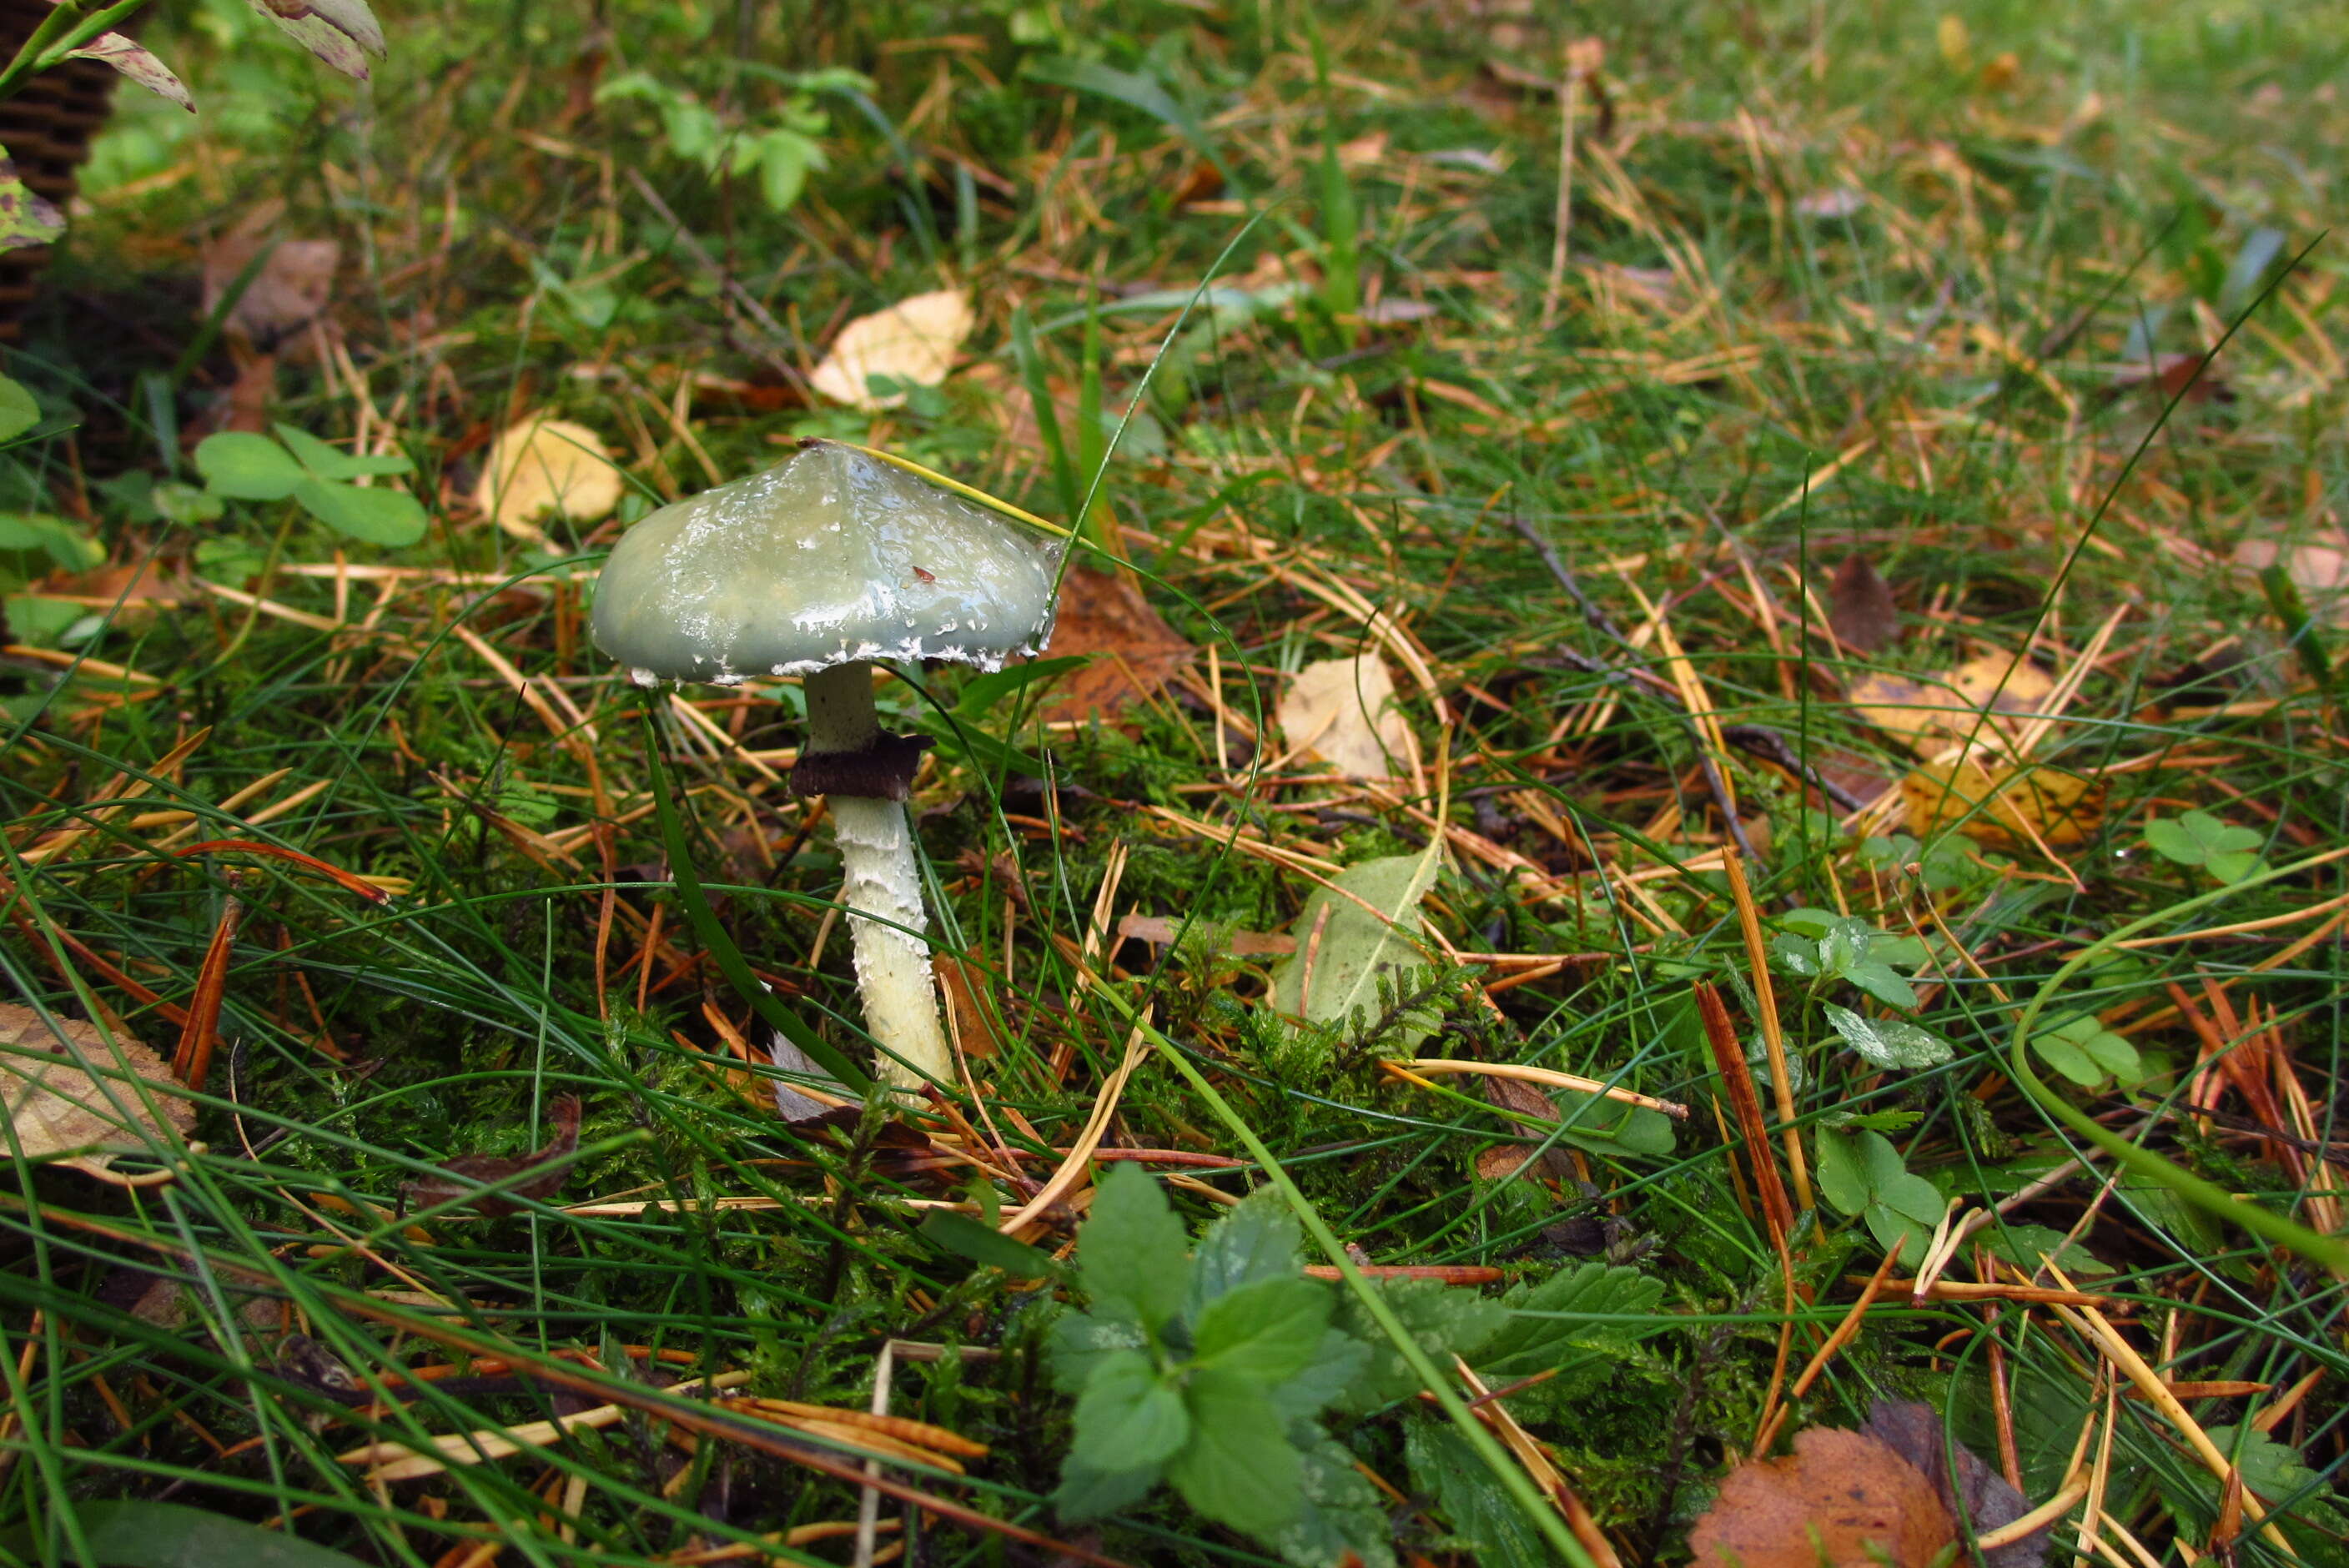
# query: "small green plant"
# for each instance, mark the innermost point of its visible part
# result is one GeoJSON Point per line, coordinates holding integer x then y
{"type": "Point", "coordinates": [1827, 949]}
{"type": "Point", "coordinates": [1204, 1372]}
{"type": "Point", "coordinates": [240, 466]}
{"type": "Point", "coordinates": [2087, 1053]}
{"type": "Point", "coordinates": [2199, 839]}
{"type": "Point", "coordinates": [1864, 1177]}
{"type": "Point", "coordinates": [781, 150]}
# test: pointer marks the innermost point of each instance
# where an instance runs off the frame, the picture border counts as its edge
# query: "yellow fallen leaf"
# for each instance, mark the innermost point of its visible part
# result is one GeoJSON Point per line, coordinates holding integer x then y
{"type": "Point", "coordinates": [2003, 807]}
{"type": "Point", "coordinates": [1343, 712]}
{"type": "Point", "coordinates": [543, 465]}
{"type": "Point", "coordinates": [54, 1107]}
{"type": "Point", "coordinates": [913, 343]}
{"type": "Point", "coordinates": [1926, 712]}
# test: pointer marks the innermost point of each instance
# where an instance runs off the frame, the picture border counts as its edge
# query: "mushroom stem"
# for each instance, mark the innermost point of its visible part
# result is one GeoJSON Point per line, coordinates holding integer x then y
{"type": "Point", "coordinates": [881, 888]}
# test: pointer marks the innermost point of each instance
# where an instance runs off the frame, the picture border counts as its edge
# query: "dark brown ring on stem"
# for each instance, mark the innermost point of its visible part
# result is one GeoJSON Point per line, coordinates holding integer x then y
{"type": "Point", "coordinates": [883, 771]}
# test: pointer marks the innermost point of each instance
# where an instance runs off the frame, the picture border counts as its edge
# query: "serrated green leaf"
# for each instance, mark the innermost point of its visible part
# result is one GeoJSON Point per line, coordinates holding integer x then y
{"type": "Point", "coordinates": [1086, 1492]}
{"type": "Point", "coordinates": [1445, 1322]}
{"type": "Point", "coordinates": [1891, 1043]}
{"type": "Point", "coordinates": [966, 1237]}
{"type": "Point", "coordinates": [1338, 1364]}
{"type": "Point", "coordinates": [1580, 1320]}
{"type": "Point", "coordinates": [1081, 1341]}
{"type": "Point", "coordinates": [18, 411]}
{"type": "Point", "coordinates": [390, 518]}
{"type": "Point", "coordinates": [1239, 1468]}
{"type": "Point", "coordinates": [1130, 1413]}
{"type": "Point", "coordinates": [137, 1534]}
{"type": "Point", "coordinates": [1133, 1247]}
{"type": "Point", "coordinates": [1266, 1332]}
{"type": "Point", "coordinates": [1344, 1516]}
{"type": "Point", "coordinates": [1485, 1520]}
{"type": "Point", "coordinates": [243, 466]}
{"type": "Point", "coordinates": [1257, 1240]}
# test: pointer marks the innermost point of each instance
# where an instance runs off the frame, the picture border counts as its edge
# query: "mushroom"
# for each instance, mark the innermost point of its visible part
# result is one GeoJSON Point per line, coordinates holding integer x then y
{"type": "Point", "coordinates": [819, 566]}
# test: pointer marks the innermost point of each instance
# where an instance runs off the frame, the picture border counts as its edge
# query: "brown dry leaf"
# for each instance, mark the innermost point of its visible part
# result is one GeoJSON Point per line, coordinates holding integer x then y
{"type": "Point", "coordinates": [468, 1171]}
{"type": "Point", "coordinates": [1343, 711]}
{"type": "Point", "coordinates": [1843, 1499]}
{"type": "Point", "coordinates": [54, 1105]}
{"type": "Point", "coordinates": [979, 1027]}
{"type": "Point", "coordinates": [1159, 930]}
{"type": "Point", "coordinates": [2019, 808]}
{"type": "Point", "coordinates": [542, 465]}
{"type": "Point", "coordinates": [1983, 1498]}
{"type": "Point", "coordinates": [1134, 651]}
{"type": "Point", "coordinates": [1860, 607]}
{"type": "Point", "coordinates": [290, 291]}
{"type": "Point", "coordinates": [1926, 714]}
{"type": "Point", "coordinates": [913, 341]}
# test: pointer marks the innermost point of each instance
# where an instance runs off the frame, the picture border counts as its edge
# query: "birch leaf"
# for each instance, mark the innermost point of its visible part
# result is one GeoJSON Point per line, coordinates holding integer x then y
{"type": "Point", "coordinates": [541, 466]}
{"type": "Point", "coordinates": [1343, 712]}
{"type": "Point", "coordinates": [911, 344]}
{"type": "Point", "coordinates": [54, 1107]}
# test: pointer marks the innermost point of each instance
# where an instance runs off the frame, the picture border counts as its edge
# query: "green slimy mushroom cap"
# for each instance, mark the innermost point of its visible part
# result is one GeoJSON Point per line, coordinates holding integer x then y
{"type": "Point", "coordinates": [829, 556]}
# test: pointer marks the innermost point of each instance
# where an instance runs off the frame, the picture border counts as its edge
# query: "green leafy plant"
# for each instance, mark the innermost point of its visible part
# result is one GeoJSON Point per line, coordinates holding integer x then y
{"type": "Point", "coordinates": [240, 466]}
{"type": "Point", "coordinates": [1864, 1177]}
{"type": "Point", "coordinates": [781, 150]}
{"type": "Point", "coordinates": [1827, 947]}
{"type": "Point", "coordinates": [1206, 1372]}
{"type": "Point", "coordinates": [2199, 839]}
{"type": "Point", "coordinates": [1894, 1044]}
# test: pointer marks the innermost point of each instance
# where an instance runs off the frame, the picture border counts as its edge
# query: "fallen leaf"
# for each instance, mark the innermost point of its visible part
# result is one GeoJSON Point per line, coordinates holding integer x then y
{"type": "Point", "coordinates": [1845, 1500]}
{"type": "Point", "coordinates": [1926, 714]}
{"type": "Point", "coordinates": [542, 465]}
{"type": "Point", "coordinates": [979, 1027]}
{"type": "Point", "coordinates": [54, 1107]}
{"type": "Point", "coordinates": [1133, 651]}
{"type": "Point", "coordinates": [1159, 930]}
{"type": "Point", "coordinates": [1343, 712]}
{"type": "Point", "coordinates": [1521, 1102]}
{"type": "Point", "coordinates": [1343, 948]}
{"type": "Point", "coordinates": [912, 343]}
{"type": "Point", "coordinates": [289, 291]}
{"type": "Point", "coordinates": [789, 1103]}
{"type": "Point", "coordinates": [1984, 1498]}
{"type": "Point", "coordinates": [467, 1173]}
{"type": "Point", "coordinates": [1860, 607]}
{"type": "Point", "coordinates": [2003, 807]}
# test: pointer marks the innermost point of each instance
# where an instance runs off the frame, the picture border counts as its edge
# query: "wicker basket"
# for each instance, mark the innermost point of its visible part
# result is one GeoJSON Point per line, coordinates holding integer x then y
{"type": "Point", "coordinates": [46, 128]}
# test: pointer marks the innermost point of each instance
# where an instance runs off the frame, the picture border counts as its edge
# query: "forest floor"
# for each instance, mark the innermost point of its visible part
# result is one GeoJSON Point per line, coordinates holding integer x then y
{"type": "Point", "coordinates": [1688, 804]}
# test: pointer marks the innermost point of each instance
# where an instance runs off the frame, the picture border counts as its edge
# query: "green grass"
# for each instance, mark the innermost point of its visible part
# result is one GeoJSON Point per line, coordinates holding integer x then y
{"type": "Point", "coordinates": [1888, 253]}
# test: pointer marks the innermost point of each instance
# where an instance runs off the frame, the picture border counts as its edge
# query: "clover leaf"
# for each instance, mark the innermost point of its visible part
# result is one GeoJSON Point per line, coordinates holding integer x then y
{"type": "Point", "coordinates": [2087, 1053]}
{"type": "Point", "coordinates": [1891, 1043]}
{"type": "Point", "coordinates": [243, 466]}
{"type": "Point", "coordinates": [1864, 1176]}
{"type": "Point", "coordinates": [2199, 839]}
